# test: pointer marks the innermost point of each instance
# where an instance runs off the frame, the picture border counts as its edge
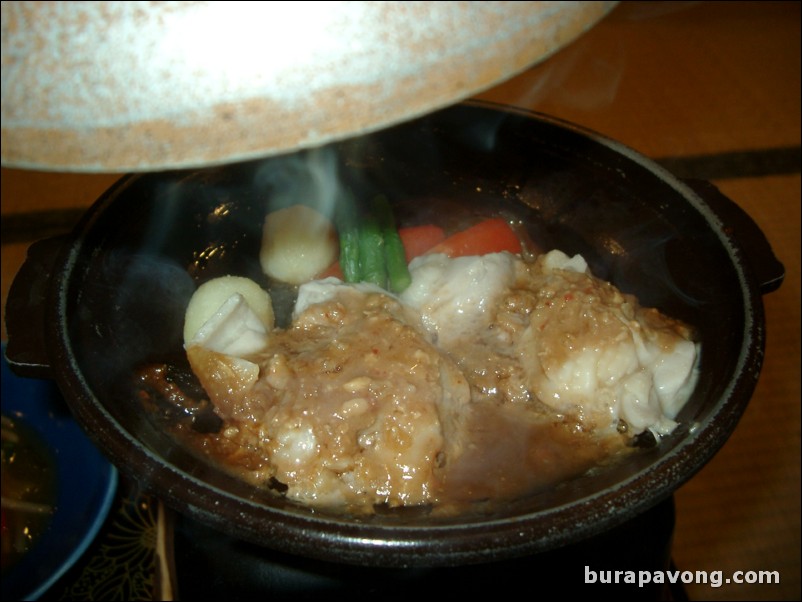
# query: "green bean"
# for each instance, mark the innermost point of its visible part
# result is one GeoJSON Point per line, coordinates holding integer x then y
{"type": "Point", "coordinates": [372, 262]}
{"type": "Point", "coordinates": [398, 277]}
{"type": "Point", "coordinates": [370, 248]}
{"type": "Point", "coordinates": [348, 228]}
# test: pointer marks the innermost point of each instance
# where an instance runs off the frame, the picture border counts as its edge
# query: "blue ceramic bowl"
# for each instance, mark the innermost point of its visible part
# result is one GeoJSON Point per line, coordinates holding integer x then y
{"type": "Point", "coordinates": [86, 481]}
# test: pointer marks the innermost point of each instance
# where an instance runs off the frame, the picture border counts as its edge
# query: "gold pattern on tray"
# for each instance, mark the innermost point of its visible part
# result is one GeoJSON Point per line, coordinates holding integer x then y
{"type": "Point", "coordinates": [123, 567]}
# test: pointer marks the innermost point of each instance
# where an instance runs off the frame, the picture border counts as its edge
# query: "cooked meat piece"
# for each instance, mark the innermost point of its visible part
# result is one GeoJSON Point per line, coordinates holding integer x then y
{"type": "Point", "coordinates": [352, 405]}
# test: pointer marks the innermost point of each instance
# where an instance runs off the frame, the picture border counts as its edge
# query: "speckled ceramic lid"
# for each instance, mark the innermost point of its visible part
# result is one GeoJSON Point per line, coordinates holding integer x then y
{"type": "Point", "coordinates": [130, 86]}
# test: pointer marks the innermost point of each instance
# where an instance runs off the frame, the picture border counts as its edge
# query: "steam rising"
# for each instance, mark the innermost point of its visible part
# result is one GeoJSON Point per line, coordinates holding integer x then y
{"type": "Point", "coordinates": [309, 177]}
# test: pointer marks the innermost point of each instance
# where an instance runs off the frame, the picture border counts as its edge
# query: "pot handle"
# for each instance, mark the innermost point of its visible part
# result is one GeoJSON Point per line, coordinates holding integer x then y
{"type": "Point", "coordinates": [26, 307]}
{"type": "Point", "coordinates": [769, 271]}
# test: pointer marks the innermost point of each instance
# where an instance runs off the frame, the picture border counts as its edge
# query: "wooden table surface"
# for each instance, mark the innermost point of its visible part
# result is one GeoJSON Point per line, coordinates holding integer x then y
{"type": "Point", "coordinates": [713, 90]}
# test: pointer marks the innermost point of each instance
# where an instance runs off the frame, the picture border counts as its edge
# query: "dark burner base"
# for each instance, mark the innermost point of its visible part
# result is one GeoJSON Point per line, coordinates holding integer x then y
{"type": "Point", "coordinates": [211, 565]}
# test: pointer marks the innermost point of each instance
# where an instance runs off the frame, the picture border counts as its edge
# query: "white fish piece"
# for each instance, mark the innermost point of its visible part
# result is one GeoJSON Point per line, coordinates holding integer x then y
{"type": "Point", "coordinates": [326, 289]}
{"type": "Point", "coordinates": [456, 296]}
{"type": "Point", "coordinates": [599, 354]}
{"type": "Point", "coordinates": [557, 260]}
{"type": "Point", "coordinates": [673, 373]}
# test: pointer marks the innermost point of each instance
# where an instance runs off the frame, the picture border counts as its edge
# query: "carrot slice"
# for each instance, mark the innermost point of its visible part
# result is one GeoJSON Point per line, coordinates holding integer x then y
{"type": "Point", "coordinates": [419, 239]}
{"type": "Point", "coordinates": [492, 235]}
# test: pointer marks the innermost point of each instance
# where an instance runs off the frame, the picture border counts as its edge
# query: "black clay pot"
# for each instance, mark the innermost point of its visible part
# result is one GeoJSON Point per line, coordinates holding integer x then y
{"type": "Point", "coordinates": [87, 309]}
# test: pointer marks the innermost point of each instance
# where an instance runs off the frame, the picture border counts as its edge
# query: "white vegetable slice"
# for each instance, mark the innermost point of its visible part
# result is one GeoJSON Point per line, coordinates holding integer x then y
{"type": "Point", "coordinates": [298, 243]}
{"type": "Point", "coordinates": [233, 330]}
{"type": "Point", "coordinates": [211, 296]}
